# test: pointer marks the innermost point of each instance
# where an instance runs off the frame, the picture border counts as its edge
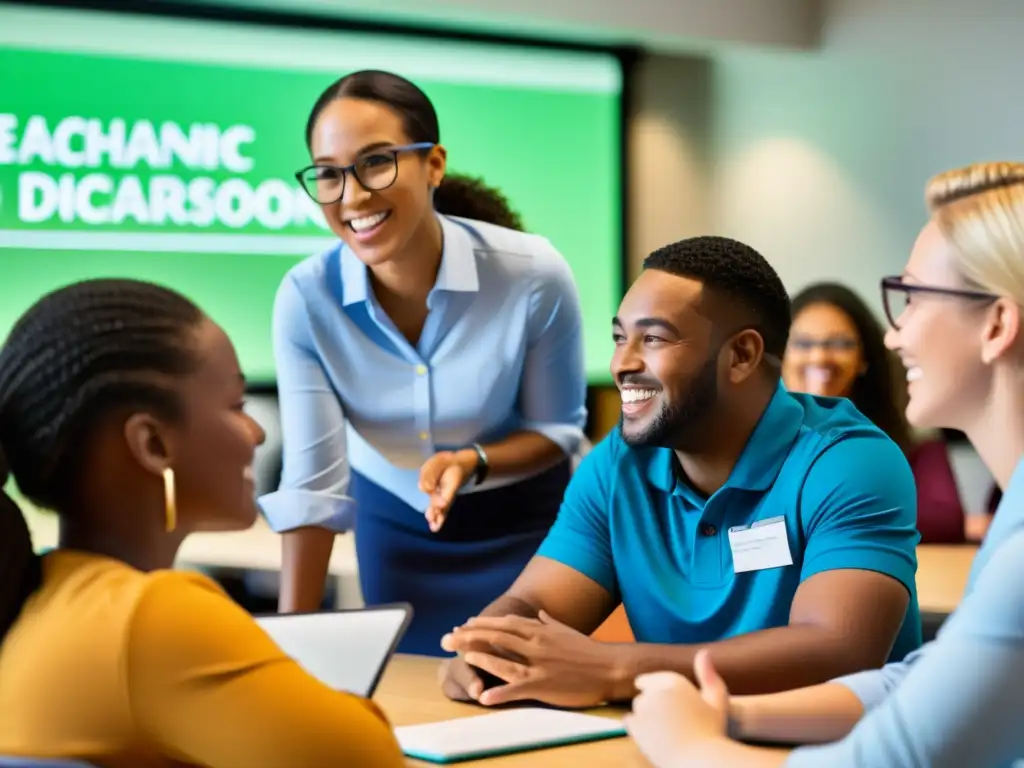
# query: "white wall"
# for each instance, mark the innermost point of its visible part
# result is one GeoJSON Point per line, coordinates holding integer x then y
{"type": "Point", "coordinates": [668, 143]}
{"type": "Point", "coordinates": [660, 25]}
{"type": "Point", "coordinates": [820, 158]}
{"type": "Point", "coordinates": [817, 157]}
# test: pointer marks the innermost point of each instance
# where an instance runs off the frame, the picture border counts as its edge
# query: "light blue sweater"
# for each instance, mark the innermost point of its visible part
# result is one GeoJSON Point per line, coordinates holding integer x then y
{"type": "Point", "coordinates": [958, 702]}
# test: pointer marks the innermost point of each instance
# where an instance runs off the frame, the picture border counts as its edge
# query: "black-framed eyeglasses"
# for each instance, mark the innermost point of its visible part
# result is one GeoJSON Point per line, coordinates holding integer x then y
{"type": "Point", "coordinates": [376, 170]}
{"type": "Point", "coordinates": [897, 294]}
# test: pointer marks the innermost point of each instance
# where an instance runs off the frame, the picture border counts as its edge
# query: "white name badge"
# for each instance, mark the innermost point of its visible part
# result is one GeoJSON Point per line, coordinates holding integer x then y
{"type": "Point", "coordinates": [761, 545]}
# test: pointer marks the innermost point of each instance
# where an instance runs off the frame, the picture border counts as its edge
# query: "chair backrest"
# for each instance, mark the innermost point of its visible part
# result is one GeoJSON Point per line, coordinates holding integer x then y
{"type": "Point", "coordinates": [37, 762]}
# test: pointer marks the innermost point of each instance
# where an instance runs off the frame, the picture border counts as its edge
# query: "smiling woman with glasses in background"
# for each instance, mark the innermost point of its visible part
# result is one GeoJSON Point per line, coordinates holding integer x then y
{"type": "Point", "coordinates": [836, 349]}
{"type": "Point", "coordinates": [958, 325]}
{"type": "Point", "coordinates": [430, 374]}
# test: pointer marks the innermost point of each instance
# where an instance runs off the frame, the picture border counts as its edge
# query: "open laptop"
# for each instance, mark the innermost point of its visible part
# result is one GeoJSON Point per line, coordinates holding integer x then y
{"type": "Point", "coordinates": [346, 650]}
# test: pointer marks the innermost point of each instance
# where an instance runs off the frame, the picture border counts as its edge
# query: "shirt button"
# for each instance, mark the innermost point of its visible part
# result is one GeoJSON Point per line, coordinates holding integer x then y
{"type": "Point", "coordinates": [708, 530]}
{"type": "Point", "coordinates": [421, 369]}
{"type": "Point", "coordinates": [424, 435]}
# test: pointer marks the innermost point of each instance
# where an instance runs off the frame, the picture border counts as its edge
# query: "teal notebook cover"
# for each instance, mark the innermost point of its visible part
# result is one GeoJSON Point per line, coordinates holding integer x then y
{"type": "Point", "coordinates": [502, 733]}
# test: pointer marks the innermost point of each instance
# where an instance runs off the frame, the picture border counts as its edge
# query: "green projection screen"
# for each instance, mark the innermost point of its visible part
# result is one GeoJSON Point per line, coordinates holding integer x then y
{"type": "Point", "coordinates": [164, 149]}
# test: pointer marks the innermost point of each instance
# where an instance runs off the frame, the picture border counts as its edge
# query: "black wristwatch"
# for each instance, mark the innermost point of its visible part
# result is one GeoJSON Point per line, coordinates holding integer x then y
{"type": "Point", "coordinates": [482, 467]}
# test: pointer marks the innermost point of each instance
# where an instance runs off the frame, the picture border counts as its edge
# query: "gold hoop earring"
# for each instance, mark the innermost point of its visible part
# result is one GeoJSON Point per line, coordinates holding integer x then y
{"type": "Point", "coordinates": [170, 504]}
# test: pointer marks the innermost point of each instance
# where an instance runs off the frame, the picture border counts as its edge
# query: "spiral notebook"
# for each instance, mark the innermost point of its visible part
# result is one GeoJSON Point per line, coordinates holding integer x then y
{"type": "Point", "coordinates": [502, 733]}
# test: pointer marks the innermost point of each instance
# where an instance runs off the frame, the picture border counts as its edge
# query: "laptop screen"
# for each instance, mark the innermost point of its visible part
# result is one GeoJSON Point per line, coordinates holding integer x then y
{"type": "Point", "coordinates": [345, 650]}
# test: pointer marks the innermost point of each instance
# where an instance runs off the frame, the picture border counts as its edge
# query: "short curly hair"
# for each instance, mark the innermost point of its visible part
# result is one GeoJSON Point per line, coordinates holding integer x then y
{"type": "Point", "coordinates": [739, 274]}
{"type": "Point", "coordinates": [469, 197]}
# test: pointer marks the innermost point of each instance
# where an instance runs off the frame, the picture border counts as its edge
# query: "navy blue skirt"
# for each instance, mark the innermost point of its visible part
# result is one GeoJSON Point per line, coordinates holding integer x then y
{"type": "Point", "coordinates": [450, 576]}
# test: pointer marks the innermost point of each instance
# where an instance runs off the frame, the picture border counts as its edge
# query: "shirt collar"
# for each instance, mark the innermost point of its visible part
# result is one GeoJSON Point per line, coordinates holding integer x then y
{"type": "Point", "coordinates": [1008, 518]}
{"type": "Point", "coordinates": [1013, 495]}
{"type": "Point", "coordinates": [458, 271]}
{"type": "Point", "coordinates": [762, 457]}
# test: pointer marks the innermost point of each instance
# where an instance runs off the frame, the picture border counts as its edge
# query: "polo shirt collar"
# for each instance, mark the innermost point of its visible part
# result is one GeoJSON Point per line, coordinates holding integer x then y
{"type": "Point", "coordinates": [769, 445]}
{"type": "Point", "coordinates": [458, 271]}
{"type": "Point", "coordinates": [762, 457]}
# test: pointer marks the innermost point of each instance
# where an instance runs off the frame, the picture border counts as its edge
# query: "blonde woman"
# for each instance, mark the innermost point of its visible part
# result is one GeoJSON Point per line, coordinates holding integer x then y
{"type": "Point", "coordinates": [958, 325]}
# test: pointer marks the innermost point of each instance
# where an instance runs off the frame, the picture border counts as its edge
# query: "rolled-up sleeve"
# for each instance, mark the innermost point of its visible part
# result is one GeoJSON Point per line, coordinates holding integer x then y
{"type": "Point", "coordinates": [554, 390]}
{"type": "Point", "coordinates": [316, 473]}
{"type": "Point", "coordinates": [873, 686]}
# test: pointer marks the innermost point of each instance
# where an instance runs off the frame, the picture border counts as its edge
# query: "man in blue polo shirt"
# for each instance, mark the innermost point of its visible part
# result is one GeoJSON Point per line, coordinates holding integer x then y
{"type": "Point", "coordinates": [776, 529]}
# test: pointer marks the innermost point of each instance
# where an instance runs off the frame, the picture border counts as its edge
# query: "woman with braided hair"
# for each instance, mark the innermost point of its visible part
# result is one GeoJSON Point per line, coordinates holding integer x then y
{"type": "Point", "coordinates": [121, 410]}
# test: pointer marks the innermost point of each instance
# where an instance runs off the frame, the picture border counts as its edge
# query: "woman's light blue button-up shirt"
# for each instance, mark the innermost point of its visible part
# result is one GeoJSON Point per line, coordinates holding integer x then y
{"type": "Point", "coordinates": [501, 352]}
{"type": "Point", "coordinates": [958, 702]}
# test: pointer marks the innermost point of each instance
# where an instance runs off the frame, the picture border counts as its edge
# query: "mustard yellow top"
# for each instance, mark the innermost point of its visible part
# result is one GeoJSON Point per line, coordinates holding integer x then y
{"type": "Point", "coordinates": [163, 670]}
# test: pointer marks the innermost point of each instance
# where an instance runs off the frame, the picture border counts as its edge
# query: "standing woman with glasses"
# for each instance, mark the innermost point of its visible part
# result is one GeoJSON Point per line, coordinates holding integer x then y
{"type": "Point", "coordinates": [957, 317]}
{"type": "Point", "coordinates": [430, 375]}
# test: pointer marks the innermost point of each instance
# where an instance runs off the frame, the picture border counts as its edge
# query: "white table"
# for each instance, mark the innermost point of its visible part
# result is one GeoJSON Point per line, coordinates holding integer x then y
{"type": "Point", "coordinates": [257, 549]}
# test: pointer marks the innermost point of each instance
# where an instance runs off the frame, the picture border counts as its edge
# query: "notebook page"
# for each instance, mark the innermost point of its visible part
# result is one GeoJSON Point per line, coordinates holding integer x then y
{"type": "Point", "coordinates": [512, 730]}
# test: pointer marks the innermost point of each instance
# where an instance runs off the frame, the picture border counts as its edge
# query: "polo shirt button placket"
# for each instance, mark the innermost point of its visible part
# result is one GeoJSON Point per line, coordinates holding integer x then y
{"type": "Point", "coordinates": [708, 530]}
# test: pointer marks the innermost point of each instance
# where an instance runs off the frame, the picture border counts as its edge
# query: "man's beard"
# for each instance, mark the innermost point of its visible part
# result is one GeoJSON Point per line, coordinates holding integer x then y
{"type": "Point", "coordinates": [673, 425]}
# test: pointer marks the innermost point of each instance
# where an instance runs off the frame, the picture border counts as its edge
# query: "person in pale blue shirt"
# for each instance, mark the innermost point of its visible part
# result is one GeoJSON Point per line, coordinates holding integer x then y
{"type": "Point", "coordinates": [958, 324]}
{"type": "Point", "coordinates": [430, 375]}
